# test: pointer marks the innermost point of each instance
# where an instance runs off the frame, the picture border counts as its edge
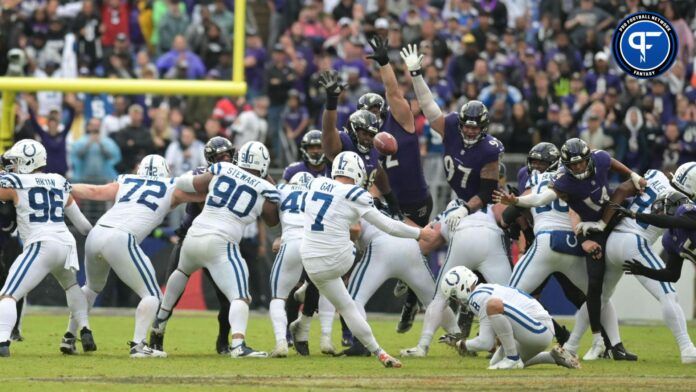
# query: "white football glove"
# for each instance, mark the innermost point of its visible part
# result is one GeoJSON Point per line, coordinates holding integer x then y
{"type": "Point", "coordinates": [456, 216]}
{"type": "Point", "coordinates": [586, 227]}
{"type": "Point", "coordinates": [411, 58]}
{"type": "Point", "coordinates": [635, 179]}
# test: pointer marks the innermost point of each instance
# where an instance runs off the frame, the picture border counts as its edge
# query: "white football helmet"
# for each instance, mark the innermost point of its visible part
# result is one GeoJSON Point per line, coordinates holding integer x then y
{"type": "Point", "coordinates": [458, 282]}
{"type": "Point", "coordinates": [153, 165]}
{"type": "Point", "coordinates": [26, 156]}
{"type": "Point", "coordinates": [254, 156]}
{"type": "Point", "coordinates": [301, 178]}
{"type": "Point", "coordinates": [349, 164]}
{"type": "Point", "coordinates": [684, 179]}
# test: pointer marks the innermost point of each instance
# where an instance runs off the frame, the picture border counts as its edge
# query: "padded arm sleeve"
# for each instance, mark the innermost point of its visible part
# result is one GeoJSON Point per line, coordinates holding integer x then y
{"type": "Point", "coordinates": [537, 199]}
{"type": "Point", "coordinates": [425, 99]}
{"type": "Point", "coordinates": [390, 226]}
{"type": "Point", "coordinates": [78, 219]}
{"type": "Point", "coordinates": [185, 184]}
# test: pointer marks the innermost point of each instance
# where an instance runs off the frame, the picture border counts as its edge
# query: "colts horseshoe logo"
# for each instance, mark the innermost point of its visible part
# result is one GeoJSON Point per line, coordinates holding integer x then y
{"type": "Point", "coordinates": [573, 244]}
{"type": "Point", "coordinates": [33, 150]}
{"type": "Point", "coordinates": [456, 275]}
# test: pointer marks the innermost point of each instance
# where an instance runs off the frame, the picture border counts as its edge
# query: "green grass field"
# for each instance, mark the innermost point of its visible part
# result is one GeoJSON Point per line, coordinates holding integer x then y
{"type": "Point", "coordinates": [36, 363]}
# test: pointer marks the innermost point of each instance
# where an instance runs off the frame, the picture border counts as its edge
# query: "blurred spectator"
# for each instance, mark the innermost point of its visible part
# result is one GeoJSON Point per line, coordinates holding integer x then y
{"type": "Point", "coordinates": [159, 10]}
{"type": "Point", "coordinates": [429, 35]}
{"type": "Point", "coordinates": [54, 137]}
{"type": "Point", "coordinates": [251, 125]}
{"type": "Point", "coordinates": [212, 46]}
{"type": "Point", "coordinates": [500, 90]}
{"type": "Point", "coordinates": [500, 122]}
{"type": "Point", "coordinates": [185, 153]}
{"type": "Point", "coordinates": [88, 27]}
{"type": "Point", "coordinates": [222, 17]}
{"type": "Point", "coordinates": [118, 119]}
{"type": "Point", "coordinates": [663, 101]}
{"type": "Point", "coordinates": [114, 21]}
{"type": "Point", "coordinates": [597, 80]}
{"type": "Point", "coordinates": [541, 98]}
{"type": "Point", "coordinates": [173, 24]}
{"type": "Point", "coordinates": [279, 80]}
{"type": "Point", "coordinates": [295, 119]}
{"type": "Point", "coordinates": [382, 11]}
{"type": "Point", "coordinates": [344, 9]}
{"type": "Point", "coordinates": [497, 11]}
{"type": "Point", "coordinates": [134, 140]}
{"type": "Point", "coordinates": [254, 64]}
{"type": "Point", "coordinates": [440, 88]}
{"type": "Point", "coordinates": [594, 134]}
{"type": "Point", "coordinates": [94, 157]}
{"type": "Point", "coordinates": [181, 61]}
{"type": "Point", "coordinates": [586, 19]}
{"type": "Point", "coordinates": [671, 146]}
{"type": "Point", "coordinates": [160, 132]}
{"type": "Point", "coordinates": [462, 64]}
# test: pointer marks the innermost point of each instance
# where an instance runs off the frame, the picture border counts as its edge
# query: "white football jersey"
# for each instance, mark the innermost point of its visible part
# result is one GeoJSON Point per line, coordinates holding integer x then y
{"type": "Point", "coordinates": [141, 204]}
{"type": "Point", "coordinates": [235, 200]}
{"type": "Point", "coordinates": [514, 301]}
{"type": "Point", "coordinates": [481, 218]}
{"type": "Point", "coordinates": [330, 209]}
{"type": "Point", "coordinates": [553, 216]}
{"type": "Point", "coordinates": [291, 216]}
{"type": "Point", "coordinates": [657, 183]}
{"type": "Point", "coordinates": [42, 198]}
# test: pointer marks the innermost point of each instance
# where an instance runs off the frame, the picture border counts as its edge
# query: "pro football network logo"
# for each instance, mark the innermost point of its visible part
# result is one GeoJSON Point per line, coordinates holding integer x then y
{"type": "Point", "coordinates": [645, 44]}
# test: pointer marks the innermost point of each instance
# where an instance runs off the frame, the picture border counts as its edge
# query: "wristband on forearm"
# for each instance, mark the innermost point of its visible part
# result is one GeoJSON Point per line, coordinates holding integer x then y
{"type": "Point", "coordinates": [331, 102]}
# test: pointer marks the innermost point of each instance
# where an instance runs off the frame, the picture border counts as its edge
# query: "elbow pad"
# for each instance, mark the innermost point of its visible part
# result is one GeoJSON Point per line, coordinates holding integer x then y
{"type": "Point", "coordinates": [185, 184]}
{"type": "Point", "coordinates": [486, 190]}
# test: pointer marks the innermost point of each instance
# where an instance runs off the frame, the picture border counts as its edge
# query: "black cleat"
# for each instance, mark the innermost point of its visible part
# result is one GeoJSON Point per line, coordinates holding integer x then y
{"type": "Point", "coordinates": [356, 350]}
{"type": "Point", "coordinates": [156, 341]}
{"type": "Point", "coordinates": [619, 353]}
{"type": "Point", "coordinates": [347, 339]}
{"type": "Point", "coordinates": [16, 335]}
{"type": "Point", "coordinates": [67, 344]}
{"type": "Point", "coordinates": [87, 340]}
{"type": "Point", "coordinates": [408, 315]}
{"type": "Point", "coordinates": [302, 348]}
{"type": "Point", "coordinates": [222, 345]}
{"type": "Point", "coordinates": [465, 322]}
{"type": "Point", "coordinates": [5, 349]}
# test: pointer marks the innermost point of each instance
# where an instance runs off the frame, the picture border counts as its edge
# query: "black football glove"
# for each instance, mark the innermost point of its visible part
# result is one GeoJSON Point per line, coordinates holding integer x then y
{"type": "Point", "coordinates": [621, 210]}
{"type": "Point", "coordinates": [330, 82]}
{"type": "Point", "coordinates": [380, 50]}
{"type": "Point", "coordinates": [634, 267]}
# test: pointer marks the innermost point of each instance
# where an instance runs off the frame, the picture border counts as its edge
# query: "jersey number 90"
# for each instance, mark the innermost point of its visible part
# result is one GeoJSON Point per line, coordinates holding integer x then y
{"type": "Point", "coordinates": [227, 193]}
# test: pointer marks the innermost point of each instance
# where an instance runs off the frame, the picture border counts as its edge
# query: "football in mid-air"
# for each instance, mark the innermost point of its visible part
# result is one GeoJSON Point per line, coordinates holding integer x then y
{"type": "Point", "coordinates": [385, 143]}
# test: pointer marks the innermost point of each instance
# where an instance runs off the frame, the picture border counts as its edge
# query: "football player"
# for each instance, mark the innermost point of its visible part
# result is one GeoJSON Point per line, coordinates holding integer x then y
{"type": "Point", "coordinates": [518, 321]}
{"type": "Point", "coordinates": [237, 196]}
{"type": "Point", "coordinates": [331, 207]}
{"type": "Point", "coordinates": [42, 202]}
{"type": "Point", "coordinates": [404, 169]}
{"type": "Point", "coordinates": [141, 202]}
{"type": "Point", "coordinates": [313, 158]}
{"type": "Point", "coordinates": [583, 183]}
{"type": "Point", "coordinates": [217, 149]}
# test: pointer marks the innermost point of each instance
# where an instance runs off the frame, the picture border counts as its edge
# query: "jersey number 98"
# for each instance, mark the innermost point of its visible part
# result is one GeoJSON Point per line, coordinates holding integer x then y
{"type": "Point", "coordinates": [227, 193]}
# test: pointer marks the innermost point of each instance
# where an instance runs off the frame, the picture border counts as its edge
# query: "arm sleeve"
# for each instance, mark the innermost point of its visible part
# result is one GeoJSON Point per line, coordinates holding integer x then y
{"type": "Point", "coordinates": [485, 339]}
{"type": "Point", "coordinates": [537, 199]}
{"type": "Point", "coordinates": [671, 273]}
{"type": "Point", "coordinates": [185, 183]}
{"type": "Point", "coordinates": [78, 219]}
{"type": "Point", "coordinates": [390, 226]}
{"type": "Point", "coordinates": [668, 222]}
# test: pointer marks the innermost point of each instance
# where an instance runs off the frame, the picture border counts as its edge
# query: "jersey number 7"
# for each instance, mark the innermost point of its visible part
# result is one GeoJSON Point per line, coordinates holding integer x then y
{"type": "Point", "coordinates": [326, 200]}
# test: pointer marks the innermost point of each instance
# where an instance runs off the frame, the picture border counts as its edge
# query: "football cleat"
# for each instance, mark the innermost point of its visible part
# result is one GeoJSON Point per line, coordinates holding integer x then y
{"type": "Point", "coordinates": [356, 350]}
{"type": "Point", "coordinates": [389, 361]}
{"type": "Point", "coordinates": [5, 348]}
{"type": "Point", "coordinates": [417, 351]}
{"type": "Point", "coordinates": [507, 363]}
{"type": "Point", "coordinates": [156, 340]}
{"type": "Point", "coordinates": [67, 344]}
{"type": "Point", "coordinates": [142, 350]}
{"type": "Point", "coordinates": [298, 332]}
{"type": "Point", "coordinates": [565, 358]}
{"type": "Point", "coordinates": [87, 340]}
{"type": "Point", "coordinates": [689, 355]}
{"type": "Point", "coordinates": [16, 335]}
{"type": "Point", "coordinates": [302, 348]}
{"type": "Point", "coordinates": [595, 352]}
{"type": "Point", "coordinates": [243, 351]}
{"type": "Point", "coordinates": [619, 353]}
{"type": "Point", "coordinates": [222, 345]}
{"type": "Point", "coordinates": [326, 345]}
{"type": "Point", "coordinates": [408, 315]}
{"type": "Point", "coordinates": [562, 335]}
{"type": "Point", "coordinates": [400, 289]}
{"type": "Point", "coordinates": [281, 350]}
{"type": "Point", "coordinates": [347, 339]}
{"type": "Point", "coordinates": [497, 356]}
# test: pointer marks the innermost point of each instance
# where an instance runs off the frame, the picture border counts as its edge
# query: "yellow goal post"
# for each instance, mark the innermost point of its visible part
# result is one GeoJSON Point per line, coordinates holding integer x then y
{"type": "Point", "coordinates": [10, 86]}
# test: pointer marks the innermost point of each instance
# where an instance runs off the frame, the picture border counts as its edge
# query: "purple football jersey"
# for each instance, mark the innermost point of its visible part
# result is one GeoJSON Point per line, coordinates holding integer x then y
{"type": "Point", "coordinates": [680, 241]}
{"type": "Point", "coordinates": [463, 165]}
{"type": "Point", "coordinates": [587, 197]}
{"type": "Point", "coordinates": [404, 168]}
{"type": "Point", "coordinates": [192, 209]}
{"type": "Point", "coordinates": [299, 167]}
{"type": "Point", "coordinates": [522, 178]}
{"type": "Point", "coordinates": [371, 159]}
